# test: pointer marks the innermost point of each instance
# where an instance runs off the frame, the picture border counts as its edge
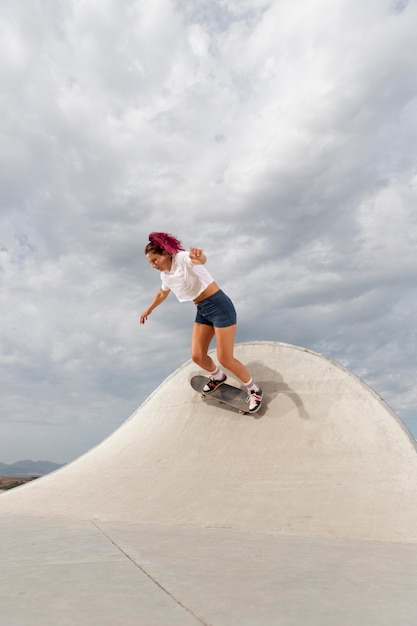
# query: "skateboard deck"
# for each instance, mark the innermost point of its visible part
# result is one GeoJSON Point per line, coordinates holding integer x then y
{"type": "Point", "coordinates": [226, 394]}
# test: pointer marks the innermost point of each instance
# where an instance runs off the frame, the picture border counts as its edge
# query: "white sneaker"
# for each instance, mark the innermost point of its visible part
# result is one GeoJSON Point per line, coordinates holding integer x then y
{"type": "Point", "coordinates": [213, 384]}
{"type": "Point", "coordinates": [254, 400]}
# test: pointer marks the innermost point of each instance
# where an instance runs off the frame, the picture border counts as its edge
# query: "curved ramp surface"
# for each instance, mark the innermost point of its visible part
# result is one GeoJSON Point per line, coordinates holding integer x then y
{"type": "Point", "coordinates": [325, 457]}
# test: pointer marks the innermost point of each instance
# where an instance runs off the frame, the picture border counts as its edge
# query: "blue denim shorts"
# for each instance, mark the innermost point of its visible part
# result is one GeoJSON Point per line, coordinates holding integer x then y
{"type": "Point", "coordinates": [216, 310]}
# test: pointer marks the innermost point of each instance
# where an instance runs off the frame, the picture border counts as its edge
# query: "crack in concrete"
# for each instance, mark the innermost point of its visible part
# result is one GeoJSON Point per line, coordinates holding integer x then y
{"type": "Point", "coordinates": [148, 575]}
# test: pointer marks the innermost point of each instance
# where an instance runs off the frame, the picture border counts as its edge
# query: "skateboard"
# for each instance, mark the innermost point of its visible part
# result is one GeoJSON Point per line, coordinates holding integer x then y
{"type": "Point", "coordinates": [225, 394]}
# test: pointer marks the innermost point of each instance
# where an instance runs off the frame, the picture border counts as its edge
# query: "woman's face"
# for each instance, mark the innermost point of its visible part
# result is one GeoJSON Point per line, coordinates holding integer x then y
{"type": "Point", "coordinates": [161, 262]}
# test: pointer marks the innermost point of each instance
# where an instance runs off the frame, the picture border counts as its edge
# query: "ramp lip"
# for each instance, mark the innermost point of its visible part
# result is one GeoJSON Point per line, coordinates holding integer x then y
{"type": "Point", "coordinates": [294, 347]}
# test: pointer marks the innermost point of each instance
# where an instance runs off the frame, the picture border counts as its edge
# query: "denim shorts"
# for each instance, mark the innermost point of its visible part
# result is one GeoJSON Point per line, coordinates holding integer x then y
{"type": "Point", "coordinates": [216, 310]}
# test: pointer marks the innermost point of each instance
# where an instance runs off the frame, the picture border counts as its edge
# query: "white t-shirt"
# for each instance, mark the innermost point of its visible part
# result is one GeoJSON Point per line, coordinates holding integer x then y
{"type": "Point", "coordinates": [186, 280]}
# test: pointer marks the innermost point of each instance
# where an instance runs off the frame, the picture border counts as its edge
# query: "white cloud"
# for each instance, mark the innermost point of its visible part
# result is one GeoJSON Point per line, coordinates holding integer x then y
{"type": "Point", "coordinates": [279, 136]}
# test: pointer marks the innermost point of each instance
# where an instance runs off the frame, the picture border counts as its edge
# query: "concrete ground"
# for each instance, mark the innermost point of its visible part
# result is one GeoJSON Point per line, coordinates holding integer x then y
{"type": "Point", "coordinates": [60, 573]}
{"type": "Point", "coordinates": [192, 514]}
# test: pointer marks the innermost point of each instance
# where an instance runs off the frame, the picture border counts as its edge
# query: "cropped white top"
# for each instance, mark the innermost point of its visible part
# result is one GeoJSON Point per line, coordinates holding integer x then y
{"type": "Point", "coordinates": [184, 278]}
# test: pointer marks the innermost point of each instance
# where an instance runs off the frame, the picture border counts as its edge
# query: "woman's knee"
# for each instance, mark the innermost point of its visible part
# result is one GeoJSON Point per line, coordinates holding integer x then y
{"type": "Point", "coordinates": [226, 360]}
{"type": "Point", "coordinates": [198, 360]}
{"type": "Point", "coordinates": [199, 355]}
{"type": "Point", "coordinates": [196, 355]}
{"type": "Point", "coordinates": [202, 336]}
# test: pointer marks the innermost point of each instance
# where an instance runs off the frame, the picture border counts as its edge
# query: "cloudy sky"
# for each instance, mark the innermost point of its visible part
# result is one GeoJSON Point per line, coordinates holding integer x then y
{"type": "Point", "coordinates": [279, 136]}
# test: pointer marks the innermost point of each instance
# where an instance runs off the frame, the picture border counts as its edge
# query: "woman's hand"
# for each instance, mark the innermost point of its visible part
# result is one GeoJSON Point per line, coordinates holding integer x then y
{"type": "Point", "coordinates": [160, 296]}
{"type": "Point", "coordinates": [143, 317]}
{"type": "Point", "coordinates": [197, 256]}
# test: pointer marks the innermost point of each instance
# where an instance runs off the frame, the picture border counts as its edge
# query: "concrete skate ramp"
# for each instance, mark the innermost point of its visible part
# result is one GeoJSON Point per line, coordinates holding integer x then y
{"type": "Point", "coordinates": [325, 457]}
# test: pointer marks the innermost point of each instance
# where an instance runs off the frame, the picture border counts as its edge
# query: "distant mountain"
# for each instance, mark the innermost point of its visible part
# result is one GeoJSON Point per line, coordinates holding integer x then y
{"type": "Point", "coordinates": [28, 468]}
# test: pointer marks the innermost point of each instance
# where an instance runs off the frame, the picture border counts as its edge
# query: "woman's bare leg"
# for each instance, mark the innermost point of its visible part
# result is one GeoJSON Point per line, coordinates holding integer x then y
{"type": "Point", "coordinates": [202, 336]}
{"type": "Point", "coordinates": [200, 342]}
{"type": "Point", "coordinates": [225, 342]}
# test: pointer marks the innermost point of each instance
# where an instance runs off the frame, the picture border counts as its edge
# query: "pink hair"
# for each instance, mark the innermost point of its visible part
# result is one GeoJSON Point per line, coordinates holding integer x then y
{"type": "Point", "coordinates": [163, 242]}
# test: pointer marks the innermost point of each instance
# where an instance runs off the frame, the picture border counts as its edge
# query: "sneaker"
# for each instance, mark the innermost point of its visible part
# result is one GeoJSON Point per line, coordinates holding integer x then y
{"type": "Point", "coordinates": [254, 400]}
{"type": "Point", "coordinates": [213, 384]}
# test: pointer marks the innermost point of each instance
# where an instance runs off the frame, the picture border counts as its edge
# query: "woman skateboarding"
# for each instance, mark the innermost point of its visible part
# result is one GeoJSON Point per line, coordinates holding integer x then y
{"type": "Point", "coordinates": [184, 273]}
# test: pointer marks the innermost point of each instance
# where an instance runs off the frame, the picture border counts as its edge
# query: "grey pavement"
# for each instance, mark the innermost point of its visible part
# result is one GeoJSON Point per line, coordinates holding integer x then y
{"type": "Point", "coordinates": [60, 573]}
